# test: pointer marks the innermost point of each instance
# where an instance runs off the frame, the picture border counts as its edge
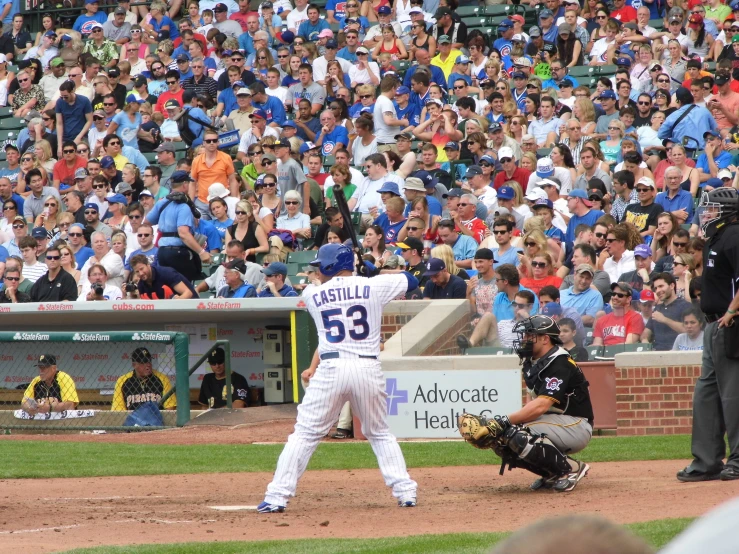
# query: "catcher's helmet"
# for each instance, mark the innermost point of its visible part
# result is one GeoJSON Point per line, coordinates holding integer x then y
{"type": "Point", "coordinates": [333, 258]}
{"type": "Point", "coordinates": [716, 206]}
{"type": "Point", "coordinates": [538, 325]}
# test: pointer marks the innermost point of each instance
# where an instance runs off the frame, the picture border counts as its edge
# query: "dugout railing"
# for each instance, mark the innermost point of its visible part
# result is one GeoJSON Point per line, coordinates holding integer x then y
{"type": "Point", "coordinates": [95, 362]}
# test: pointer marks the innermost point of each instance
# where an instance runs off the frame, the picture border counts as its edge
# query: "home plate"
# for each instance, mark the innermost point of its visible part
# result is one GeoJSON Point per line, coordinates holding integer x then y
{"type": "Point", "coordinates": [232, 508]}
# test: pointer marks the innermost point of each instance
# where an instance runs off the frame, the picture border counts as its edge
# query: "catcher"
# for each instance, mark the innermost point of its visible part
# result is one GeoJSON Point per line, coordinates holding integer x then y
{"type": "Point", "coordinates": [558, 420]}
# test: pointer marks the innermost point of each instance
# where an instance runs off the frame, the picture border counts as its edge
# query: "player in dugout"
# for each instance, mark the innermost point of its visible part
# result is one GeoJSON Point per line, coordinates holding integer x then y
{"type": "Point", "coordinates": [213, 390]}
{"type": "Point", "coordinates": [141, 385]}
{"type": "Point", "coordinates": [51, 391]}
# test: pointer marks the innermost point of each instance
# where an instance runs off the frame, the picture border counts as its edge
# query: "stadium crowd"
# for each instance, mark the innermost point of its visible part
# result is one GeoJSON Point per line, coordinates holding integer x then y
{"type": "Point", "coordinates": [184, 149]}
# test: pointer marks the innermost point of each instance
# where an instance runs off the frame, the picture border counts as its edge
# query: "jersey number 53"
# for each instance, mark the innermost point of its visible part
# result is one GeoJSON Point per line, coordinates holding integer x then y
{"type": "Point", "coordinates": [336, 328]}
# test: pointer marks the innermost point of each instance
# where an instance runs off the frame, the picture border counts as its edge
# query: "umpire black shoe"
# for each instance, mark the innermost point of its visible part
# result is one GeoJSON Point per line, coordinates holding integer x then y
{"type": "Point", "coordinates": [463, 342]}
{"type": "Point", "coordinates": [689, 476]}
{"type": "Point", "coordinates": [730, 473]}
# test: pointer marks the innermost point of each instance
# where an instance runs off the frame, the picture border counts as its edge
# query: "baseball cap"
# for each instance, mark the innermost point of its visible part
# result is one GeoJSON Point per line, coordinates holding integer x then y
{"type": "Point", "coordinates": [46, 360]}
{"type": "Point", "coordinates": [362, 50]}
{"type": "Point", "coordinates": [107, 162]}
{"type": "Point", "coordinates": [123, 187]}
{"type": "Point", "coordinates": [646, 181]}
{"type": "Point", "coordinates": [714, 182]}
{"type": "Point", "coordinates": [434, 101]}
{"type": "Point", "coordinates": [564, 28]}
{"type": "Point", "coordinates": [217, 190]}
{"type": "Point", "coordinates": [141, 355]}
{"type": "Point", "coordinates": [120, 10]}
{"type": "Point", "coordinates": [642, 250]}
{"type": "Point", "coordinates": [11, 146]}
{"type": "Point", "coordinates": [165, 147]}
{"type": "Point", "coordinates": [56, 62]}
{"type": "Point", "coordinates": [93, 27]}
{"type": "Point", "coordinates": [518, 75]}
{"type": "Point", "coordinates": [585, 268]}
{"type": "Point", "coordinates": [505, 152]}
{"type": "Point", "coordinates": [518, 37]}
{"type": "Point", "coordinates": [722, 78]}
{"type": "Point", "coordinates": [133, 98]}
{"type": "Point", "coordinates": [647, 296]}
{"type": "Point", "coordinates": [114, 72]}
{"type": "Point", "coordinates": [220, 8]}
{"type": "Point", "coordinates": [545, 13]}
{"type": "Point", "coordinates": [117, 199]}
{"type": "Point", "coordinates": [505, 24]}
{"type": "Point", "coordinates": [434, 266]}
{"type": "Point", "coordinates": [288, 37]}
{"type": "Point", "coordinates": [454, 193]}
{"type": "Point", "coordinates": [506, 193]}
{"type": "Point", "coordinates": [332, 44]}
{"type": "Point", "coordinates": [552, 182]}
{"type": "Point", "coordinates": [411, 243]}
{"type": "Point", "coordinates": [403, 90]}
{"type": "Point", "coordinates": [484, 254]}
{"type": "Point", "coordinates": [404, 135]}
{"type": "Point", "coordinates": [551, 308]}
{"type": "Point", "coordinates": [595, 194]}
{"type": "Point", "coordinates": [441, 12]}
{"type": "Point", "coordinates": [308, 145]}
{"type": "Point", "coordinates": [711, 133]}
{"type": "Point", "coordinates": [39, 233]}
{"type": "Point", "coordinates": [92, 206]}
{"type": "Point", "coordinates": [494, 127]}
{"type": "Point", "coordinates": [606, 94]}
{"type": "Point", "coordinates": [724, 174]}
{"type": "Point", "coordinates": [462, 59]}
{"type": "Point", "coordinates": [81, 173]}
{"type": "Point", "coordinates": [237, 265]}
{"type": "Point", "coordinates": [390, 187]}
{"type": "Point", "coordinates": [275, 268]}
{"type": "Point", "coordinates": [181, 176]}
{"type": "Point", "coordinates": [451, 146]}
{"type": "Point", "coordinates": [488, 158]}
{"type": "Point", "coordinates": [289, 123]}
{"type": "Point", "coordinates": [429, 181]}
{"type": "Point", "coordinates": [582, 195]}
{"type": "Point", "coordinates": [623, 286]}
{"type": "Point", "coordinates": [543, 203]}
{"type": "Point", "coordinates": [384, 10]}
{"type": "Point", "coordinates": [146, 192]}
{"type": "Point", "coordinates": [171, 104]}
{"type": "Point", "coordinates": [444, 39]}
{"type": "Point", "coordinates": [414, 183]}
{"type": "Point", "coordinates": [261, 114]}
{"type": "Point", "coordinates": [472, 171]}
{"type": "Point", "coordinates": [268, 156]}
{"type": "Point", "coordinates": [544, 167]}
{"type": "Point", "coordinates": [623, 60]}
{"type": "Point", "coordinates": [564, 83]}
{"type": "Point", "coordinates": [535, 193]}
{"type": "Point", "coordinates": [534, 32]}
{"type": "Point", "coordinates": [239, 83]}
{"type": "Point", "coordinates": [217, 355]}
{"type": "Point", "coordinates": [695, 20]}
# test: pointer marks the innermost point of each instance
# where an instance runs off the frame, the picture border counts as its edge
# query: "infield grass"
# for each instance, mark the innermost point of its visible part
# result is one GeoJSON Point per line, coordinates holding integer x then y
{"type": "Point", "coordinates": [657, 533]}
{"type": "Point", "coordinates": [29, 459]}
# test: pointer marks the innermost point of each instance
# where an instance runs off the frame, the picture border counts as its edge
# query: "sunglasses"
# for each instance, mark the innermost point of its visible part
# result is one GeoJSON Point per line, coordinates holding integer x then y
{"type": "Point", "coordinates": [26, 159]}
{"type": "Point", "coordinates": [613, 129]}
{"type": "Point", "coordinates": [601, 17]}
{"type": "Point", "coordinates": [99, 186]}
{"type": "Point", "coordinates": [18, 225]}
{"type": "Point", "coordinates": [499, 232]}
{"type": "Point", "coordinates": [643, 190]}
{"type": "Point", "coordinates": [23, 80]}
{"type": "Point", "coordinates": [144, 235]}
{"type": "Point", "coordinates": [108, 104]}
{"type": "Point", "coordinates": [611, 240]}
{"type": "Point", "coordinates": [291, 202]}
{"type": "Point", "coordinates": [270, 185]}
{"type": "Point", "coordinates": [365, 96]}
{"type": "Point", "coordinates": [210, 141]}
{"type": "Point", "coordinates": [538, 264]}
{"type": "Point", "coordinates": [69, 151]}
{"type": "Point", "coordinates": [171, 82]}
{"type": "Point", "coordinates": [414, 228]}
{"type": "Point", "coordinates": [504, 160]}
{"type": "Point", "coordinates": [10, 208]}
{"type": "Point", "coordinates": [114, 142]}
{"type": "Point", "coordinates": [12, 278]}
{"type": "Point", "coordinates": [52, 257]}
{"type": "Point", "coordinates": [134, 216]}
{"type": "Point", "coordinates": [83, 150]}
{"type": "Point", "coordinates": [267, 162]}
{"type": "Point", "coordinates": [530, 244]}
{"type": "Point", "coordinates": [98, 118]}
{"type": "Point", "coordinates": [600, 235]}
{"type": "Point", "coordinates": [679, 244]}
{"type": "Point", "coordinates": [90, 212]}
{"type": "Point", "coordinates": [644, 103]}
{"type": "Point", "coordinates": [619, 295]}
{"type": "Point", "coordinates": [679, 263]}
{"type": "Point", "coordinates": [240, 213]}
{"type": "Point", "coordinates": [50, 204]}
{"type": "Point", "coordinates": [74, 234]}
{"type": "Point", "coordinates": [459, 87]}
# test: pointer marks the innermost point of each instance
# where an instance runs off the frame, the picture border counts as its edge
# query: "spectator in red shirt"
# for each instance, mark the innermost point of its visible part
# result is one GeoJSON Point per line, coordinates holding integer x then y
{"type": "Point", "coordinates": [542, 270]}
{"type": "Point", "coordinates": [314, 163]}
{"type": "Point", "coordinates": [623, 325]}
{"type": "Point", "coordinates": [465, 219]}
{"type": "Point", "coordinates": [511, 172]}
{"type": "Point", "coordinates": [174, 91]}
{"type": "Point", "coordinates": [65, 168]}
{"type": "Point", "coordinates": [622, 12]}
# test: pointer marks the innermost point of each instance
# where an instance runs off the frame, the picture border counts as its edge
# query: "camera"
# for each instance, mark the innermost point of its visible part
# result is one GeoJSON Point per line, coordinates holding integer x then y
{"type": "Point", "coordinates": [98, 289]}
{"type": "Point", "coordinates": [131, 287]}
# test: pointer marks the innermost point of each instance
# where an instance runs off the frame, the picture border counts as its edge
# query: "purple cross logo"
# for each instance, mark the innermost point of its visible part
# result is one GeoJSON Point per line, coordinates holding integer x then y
{"type": "Point", "coordinates": [395, 396]}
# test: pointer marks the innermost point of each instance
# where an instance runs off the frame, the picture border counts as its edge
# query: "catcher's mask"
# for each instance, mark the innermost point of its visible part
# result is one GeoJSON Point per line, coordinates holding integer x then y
{"type": "Point", "coordinates": [528, 332]}
{"type": "Point", "coordinates": [716, 208]}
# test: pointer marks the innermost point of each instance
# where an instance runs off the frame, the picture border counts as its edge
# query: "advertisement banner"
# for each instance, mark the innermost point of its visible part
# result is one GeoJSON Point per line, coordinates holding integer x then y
{"type": "Point", "coordinates": [425, 404]}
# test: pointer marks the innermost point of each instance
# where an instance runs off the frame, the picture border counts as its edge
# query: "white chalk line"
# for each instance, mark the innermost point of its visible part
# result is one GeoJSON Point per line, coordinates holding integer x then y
{"type": "Point", "coordinates": [40, 530]}
{"type": "Point", "coordinates": [232, 508]}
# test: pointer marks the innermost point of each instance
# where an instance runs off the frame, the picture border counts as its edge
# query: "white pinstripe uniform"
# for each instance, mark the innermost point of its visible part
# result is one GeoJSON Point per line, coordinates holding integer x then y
{"type": "Point", "coordinates": [348, 314]}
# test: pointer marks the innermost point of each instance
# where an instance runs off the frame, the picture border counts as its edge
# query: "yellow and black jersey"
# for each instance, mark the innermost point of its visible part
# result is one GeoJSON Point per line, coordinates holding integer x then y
{"type": "Point", "coordinates": [62, 389]}
{"type": "Point", "coordinates": [213, 391]}
{"type": "Point", "coordinates": [131, 391]}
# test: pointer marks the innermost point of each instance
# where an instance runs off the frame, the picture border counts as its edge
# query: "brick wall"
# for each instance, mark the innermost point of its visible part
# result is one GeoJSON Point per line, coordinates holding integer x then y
{"type": "Point", "coordinates": [392, 323]}
{"type": "Point", "coordinates": [655, 400]}
{"type": "Point", "coordinates": [446, 345]}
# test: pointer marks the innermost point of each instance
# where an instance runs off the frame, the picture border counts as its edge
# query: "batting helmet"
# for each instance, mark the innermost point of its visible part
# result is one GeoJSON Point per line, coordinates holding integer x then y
{"type": "Point", "coordinates": [333, 258]}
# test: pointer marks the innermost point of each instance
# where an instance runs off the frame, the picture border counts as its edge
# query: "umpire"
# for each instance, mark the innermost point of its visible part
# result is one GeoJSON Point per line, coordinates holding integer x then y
{"type": "Point", "coordinates": [178, 248]}
{"type": "Point", "coordinates": [716, 407]}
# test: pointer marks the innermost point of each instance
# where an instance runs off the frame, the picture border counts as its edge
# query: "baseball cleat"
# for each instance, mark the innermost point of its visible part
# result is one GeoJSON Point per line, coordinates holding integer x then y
{"type": "Point", "coordinates": [730, 473]}
{"type": "Point", "coordinates": [688, 476]}
{"type": "Point", "coordinates": [543, 483]}
{"type": "Point", "coordinates": [568, 482]}
{"type": "Point", "coordinates": [406, 503]}
{"type": "Point", "coordinates": [267, 508]}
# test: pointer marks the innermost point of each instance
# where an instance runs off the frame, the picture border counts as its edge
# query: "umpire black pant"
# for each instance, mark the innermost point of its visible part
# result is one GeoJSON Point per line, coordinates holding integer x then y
{"type": "Point", "coordinates": [182, 259]}
{"type": "Point", "coordinates": [715, 406]}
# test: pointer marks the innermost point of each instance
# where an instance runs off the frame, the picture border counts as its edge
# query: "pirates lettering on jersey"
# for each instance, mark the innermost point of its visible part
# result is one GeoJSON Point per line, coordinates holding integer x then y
{"type": "Point", "coordinates": [341, 294]}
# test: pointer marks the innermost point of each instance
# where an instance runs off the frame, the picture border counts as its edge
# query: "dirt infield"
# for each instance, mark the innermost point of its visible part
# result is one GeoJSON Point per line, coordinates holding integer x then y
{"type": "Point", "coordinates": [49, 515]}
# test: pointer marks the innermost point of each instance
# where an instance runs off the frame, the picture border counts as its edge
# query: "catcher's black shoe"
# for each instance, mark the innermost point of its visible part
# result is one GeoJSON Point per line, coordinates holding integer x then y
{"type": "Point", "coordinates": [463, 342]}
{"type": "Point", "coordinates": [543, 483]}
{"type": "Point", "coordinates": [688, 476]}
{"type": "Point", "coordinates": [568, 482]}
{"type": "Point", "coordinates": [730, 473]}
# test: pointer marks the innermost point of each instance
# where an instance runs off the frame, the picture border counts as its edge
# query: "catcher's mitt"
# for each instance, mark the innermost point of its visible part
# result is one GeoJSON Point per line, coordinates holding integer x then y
{"type": "Point", "coordinates": [481, 432]}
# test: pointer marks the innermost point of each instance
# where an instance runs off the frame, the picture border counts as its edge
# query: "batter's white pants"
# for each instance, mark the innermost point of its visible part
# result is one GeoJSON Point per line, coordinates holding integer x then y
{"type": "Point", "coordinates": [360, 382]}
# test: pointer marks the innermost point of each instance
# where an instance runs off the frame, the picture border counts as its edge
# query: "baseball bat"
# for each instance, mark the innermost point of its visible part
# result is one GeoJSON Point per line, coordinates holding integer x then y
{"type": "Point", "coordinates": [346, 213]}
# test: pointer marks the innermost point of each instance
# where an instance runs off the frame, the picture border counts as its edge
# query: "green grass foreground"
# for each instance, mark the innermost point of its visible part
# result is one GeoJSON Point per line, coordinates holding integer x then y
{"type": "Point", "coordinates": [657, 533]}
{"type": "Point", "coordinates": [30, 459]}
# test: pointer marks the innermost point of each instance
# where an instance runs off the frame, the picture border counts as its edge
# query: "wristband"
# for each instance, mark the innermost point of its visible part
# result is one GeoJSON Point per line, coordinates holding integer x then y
{"type": "Point", "coordinates": [731, 312]}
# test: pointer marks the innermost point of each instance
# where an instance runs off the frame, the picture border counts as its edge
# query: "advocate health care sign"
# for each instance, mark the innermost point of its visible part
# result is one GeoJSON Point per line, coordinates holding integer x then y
{"type": "Point", "coordinates": [426, 404]}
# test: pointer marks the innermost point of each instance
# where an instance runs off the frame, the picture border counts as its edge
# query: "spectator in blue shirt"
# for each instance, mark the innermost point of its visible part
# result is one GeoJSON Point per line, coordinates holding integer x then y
{"type": "Point", "coordinates": [507, 280]}
{"type": "Point", "coordinates": [236, 285]}
{"type": "Point", "coordinates": [674, 199]}
{"type": "Point", "coordinates": [719, 158]}
{"type": "Point", "coordinates": [310, 29]}
{"type": "Point", "coordinates": [271, 105]}
{"type": "Point", "coordinates": [83, 24]}
{"type": "Point", "coordinates": [463, 246]}
{"type": "Point", "coordinates": [587, 301]}
{"type": "Point", "coordinates": [213, 239]}
{"type": "Point", "coordinates": [161, 283]}
{"type": "Point", "coordinates": [696, 123]}
{"type": "Point", "coordinates": [505, 253]}
{"type": "Point", "coordinates": [332, 136]}
{"type": "Point", "coordinates": [274, 282]}
{"type": "Point", "coordinates": [580, 207]}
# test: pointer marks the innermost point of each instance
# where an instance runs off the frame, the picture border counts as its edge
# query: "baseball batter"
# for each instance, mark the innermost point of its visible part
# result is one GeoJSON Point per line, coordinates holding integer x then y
{"type": "Point", "coordinates": [347, 311]}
